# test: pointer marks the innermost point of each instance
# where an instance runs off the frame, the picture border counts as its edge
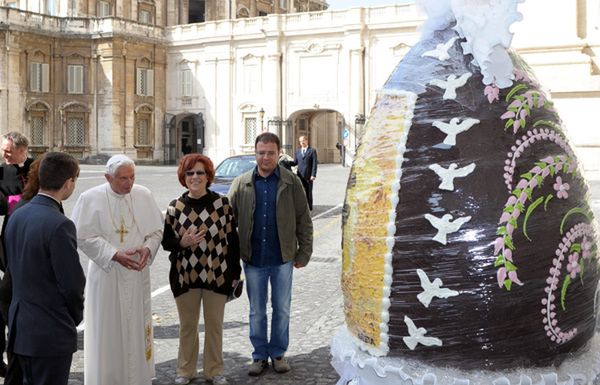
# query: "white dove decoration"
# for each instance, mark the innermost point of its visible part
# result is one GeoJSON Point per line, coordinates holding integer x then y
{"type": "Point", "coordinates": [447, 175]}
{"type": "Point", "coordinates": [444, 226]}
{"type": "Point", "coordinates": [453, 128]}
{"type": "Point", "coordinates": [451, 84]}
{"type": "Point", "coordinates": [417, 336]}
{"type": "Point", "coordinates": [441, 50]}
{"type": "Point", "coordinates": [432, 289]}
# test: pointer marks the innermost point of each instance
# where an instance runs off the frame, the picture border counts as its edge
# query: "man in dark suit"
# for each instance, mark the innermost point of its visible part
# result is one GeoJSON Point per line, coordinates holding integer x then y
{"type": "Point", "coordinates": [47, 278]}
{"type": "Point", "coordinates": [13, 174]}
{"type": "Point", "coordinates": [306, 160]}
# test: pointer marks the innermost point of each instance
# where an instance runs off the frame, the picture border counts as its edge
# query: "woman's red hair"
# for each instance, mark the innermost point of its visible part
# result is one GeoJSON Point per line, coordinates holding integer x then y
{"type": "Point", "coordinates": [189, 161]}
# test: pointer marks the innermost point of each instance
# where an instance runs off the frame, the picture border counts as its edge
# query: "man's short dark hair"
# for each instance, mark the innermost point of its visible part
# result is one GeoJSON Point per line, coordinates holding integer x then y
{"type": "Point", "coordinates": [268, 137]}
{"type": "Point", "coordinates": [56, 168]}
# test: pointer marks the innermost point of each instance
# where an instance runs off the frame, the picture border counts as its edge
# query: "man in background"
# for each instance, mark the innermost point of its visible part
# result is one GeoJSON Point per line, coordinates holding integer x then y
{"type": "Point", "coordinates": [13, 175]}
{"type": "Point", "coordinates": [306, 159]}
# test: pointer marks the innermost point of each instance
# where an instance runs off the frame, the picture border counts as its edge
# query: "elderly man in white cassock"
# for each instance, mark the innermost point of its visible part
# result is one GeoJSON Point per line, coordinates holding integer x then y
{"type": "Point", "coordinates": [119, 227]}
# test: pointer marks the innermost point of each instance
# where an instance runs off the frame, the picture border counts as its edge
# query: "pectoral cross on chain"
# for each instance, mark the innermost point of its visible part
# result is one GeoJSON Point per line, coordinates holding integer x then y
{"type": "Point", "coordinates": [122, 231]}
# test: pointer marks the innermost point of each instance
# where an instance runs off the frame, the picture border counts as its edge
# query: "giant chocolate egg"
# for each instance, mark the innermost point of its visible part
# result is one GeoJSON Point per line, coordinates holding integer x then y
{"type": "Point", "coordinates": [468, 240]}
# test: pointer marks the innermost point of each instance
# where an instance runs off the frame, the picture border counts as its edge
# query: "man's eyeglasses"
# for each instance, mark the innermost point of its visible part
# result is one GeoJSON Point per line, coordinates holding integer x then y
{"type": "Point", "coordinates": [264, 154]}
{"type": "Point", "coordinates": [191, 173]}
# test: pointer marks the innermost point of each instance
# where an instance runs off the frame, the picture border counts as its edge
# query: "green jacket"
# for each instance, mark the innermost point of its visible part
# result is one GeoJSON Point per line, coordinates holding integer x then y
{"type": "Point", "coordinates": [294, 225]}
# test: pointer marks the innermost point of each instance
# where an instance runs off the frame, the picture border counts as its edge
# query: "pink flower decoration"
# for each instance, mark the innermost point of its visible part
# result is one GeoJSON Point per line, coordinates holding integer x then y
{"type": "Point", "coordinates": [512, 275]}
{"type": "Point", "coordinates": [586, 247]}
{"type": "Point", "coordinates": [508, 255]}
{"type": "Point", "coordinates": [573, 266]}
{"type": "Point", "coordinates": [498, 245]}
{"type": "Point", "coordinates": [561, 188]}
{"type": "Point", "coordinates": [501, 276]}
{"type": "Point", "coordinates": [492, 92]}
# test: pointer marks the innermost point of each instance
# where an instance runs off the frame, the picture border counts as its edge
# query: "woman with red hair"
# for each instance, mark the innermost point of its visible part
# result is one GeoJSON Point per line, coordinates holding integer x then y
{"type": "Point", "coordinates": [200, 232]}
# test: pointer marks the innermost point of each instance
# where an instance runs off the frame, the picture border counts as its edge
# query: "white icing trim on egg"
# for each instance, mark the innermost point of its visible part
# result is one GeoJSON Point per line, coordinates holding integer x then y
{"type": "Point", "coordinates": [352, 363]}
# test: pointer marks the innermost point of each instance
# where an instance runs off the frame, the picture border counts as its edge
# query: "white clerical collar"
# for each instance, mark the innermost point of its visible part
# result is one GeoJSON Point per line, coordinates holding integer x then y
{"type": "Point", "coordinates": [113, 193]}
{"type": "Point", "coordinates": [50, 196]}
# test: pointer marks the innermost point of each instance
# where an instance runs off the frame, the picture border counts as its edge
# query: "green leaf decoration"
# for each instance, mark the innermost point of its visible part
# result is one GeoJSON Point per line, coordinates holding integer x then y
{"type": "Point", "coordinates": [509, 209]}
{"type": "Point", "coordinates": [509, 123]}
{"type": "Point", "coordinates": [573, 211]}
{"type": "Point", "coordinates": [514, 90]}
{"type": "Point", "coordinates": [499, 261]}
{"type": "Point", "coordinates": [565, 167]}
{"type": "Point", "coordinates": [519, 206]}
{"type": "Point", "coordinates": [552, 170]}
{"type": "Point", "coordinates": [501, 230]}
{"type": "Point", "coordinates": [527, 175]}
{"type": "Point", "coordinates": [517, 192]}
{"type": "Point", "coordinates": [563, 291]}
{"type": "Point", "coordinates": [528, 191]}
{"type": "Point", "coordinates": [509, 266]}
{"type": "Point", "coordinates": [507, 284]}
{"type": "Point", "coordinates": [541, 165]}
{"type": "Point", "coordinates": [508, 242]}
{"type": "Point", "coordinates": [529, 211]}
{"type": "Point", "coordinates": [581, 272]}
{"type": "Point", "coordinates": [513, 221]}
{"type": "Point", "coordinates": [575, 248]}
{"type": "Point", "coordinates": [540, 180]}
{"type": "Point", "coordinates": [548, 199]}
{"type": "Point", "coordinates": [523, 123]}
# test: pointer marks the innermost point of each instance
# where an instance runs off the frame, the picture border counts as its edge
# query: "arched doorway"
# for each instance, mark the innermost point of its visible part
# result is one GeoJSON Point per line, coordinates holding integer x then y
{"type": "Point", "coordinates": [323, 128]}
{"type": "Point", "coordinates": [186, 135]}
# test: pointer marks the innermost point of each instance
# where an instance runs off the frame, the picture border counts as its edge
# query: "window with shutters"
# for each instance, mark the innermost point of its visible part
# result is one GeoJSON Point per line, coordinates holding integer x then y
{"type": "Point", "coordinates": [36, 133]}
{"type": "Point", "coordinates": [250, 128]}
{"type": "Point", "coordinates": [75, 130]}
{"type": "Point", "coordinates": [39, 77]}
{"type": "Point", "coordinates": [186, 82]}
{"type": "Point", "coordinates": [104, 9]}
{"type": "Point", "coordinates": [145, 82]}
{"type": "Point", "coordinates": [75, 79]}
{"type": "Point", "coordinates": [143, 135]}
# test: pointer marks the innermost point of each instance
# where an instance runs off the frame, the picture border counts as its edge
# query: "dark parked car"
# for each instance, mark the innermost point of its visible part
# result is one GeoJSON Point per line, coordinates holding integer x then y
{"type": "Point", "coordinates": [228, 169]}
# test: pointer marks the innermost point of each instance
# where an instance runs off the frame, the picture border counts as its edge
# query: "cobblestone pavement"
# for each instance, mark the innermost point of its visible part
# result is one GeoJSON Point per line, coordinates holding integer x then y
{"type": "Point", "coordinates": [316, 308]}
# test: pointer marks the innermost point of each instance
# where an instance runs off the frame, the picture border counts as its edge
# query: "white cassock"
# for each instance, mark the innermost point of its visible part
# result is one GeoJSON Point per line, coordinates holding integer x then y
{"type": "Point", "coordinates": [118, 334]}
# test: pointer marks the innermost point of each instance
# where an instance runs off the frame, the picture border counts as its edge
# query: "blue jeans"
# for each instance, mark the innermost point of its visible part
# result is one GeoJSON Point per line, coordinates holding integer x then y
{"type": "Point", "coordinates": [257, 281]}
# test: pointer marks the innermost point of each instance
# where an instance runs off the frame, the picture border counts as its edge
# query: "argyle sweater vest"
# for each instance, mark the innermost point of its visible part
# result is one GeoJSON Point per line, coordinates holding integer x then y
{"type": "Point", "coordinates": [213, 263]}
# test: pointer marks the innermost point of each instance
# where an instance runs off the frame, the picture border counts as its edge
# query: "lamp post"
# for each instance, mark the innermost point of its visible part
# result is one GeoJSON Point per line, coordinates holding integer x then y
{"type": "Point", "coordinates": [261, 115]}
{"type": "Point", "coordinates": [358, 119]}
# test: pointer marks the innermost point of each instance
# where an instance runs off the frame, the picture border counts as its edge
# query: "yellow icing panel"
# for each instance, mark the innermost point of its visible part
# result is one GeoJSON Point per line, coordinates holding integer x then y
{"type": "Point", "coordinates": [368, 208]}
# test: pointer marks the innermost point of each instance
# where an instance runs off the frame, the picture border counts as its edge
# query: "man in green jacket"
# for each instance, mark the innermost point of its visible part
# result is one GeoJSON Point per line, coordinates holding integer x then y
{"type": "Point", "coordinates": [276, 235]}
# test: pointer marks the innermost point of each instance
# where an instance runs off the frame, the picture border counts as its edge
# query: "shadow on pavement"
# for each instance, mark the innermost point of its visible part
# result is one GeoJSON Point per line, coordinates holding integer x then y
{"type": "Point", "coordinates": [307, 369]}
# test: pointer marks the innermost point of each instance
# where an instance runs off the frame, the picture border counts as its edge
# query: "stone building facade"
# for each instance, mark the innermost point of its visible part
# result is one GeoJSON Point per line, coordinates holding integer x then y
{"type": "Point", "coordinates": [145, 77]}
{"type": "Point", "coordinates": [89, 76]}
